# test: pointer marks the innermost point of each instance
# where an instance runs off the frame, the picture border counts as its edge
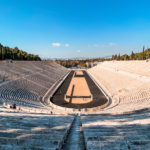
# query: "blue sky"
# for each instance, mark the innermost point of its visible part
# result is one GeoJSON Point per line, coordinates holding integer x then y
{"type": "Point", "coordinates": [75, 28]}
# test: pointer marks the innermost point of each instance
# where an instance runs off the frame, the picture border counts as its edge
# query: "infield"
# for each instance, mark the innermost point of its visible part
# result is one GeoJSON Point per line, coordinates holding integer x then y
{"type": "Point", "coordinates": [98, 98]}
{"type": "Point", "coordinates": [78, 91]}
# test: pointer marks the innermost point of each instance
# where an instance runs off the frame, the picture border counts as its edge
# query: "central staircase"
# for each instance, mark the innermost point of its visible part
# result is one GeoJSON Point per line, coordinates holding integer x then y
{"type": "Point", "coordinates": [75, 139]}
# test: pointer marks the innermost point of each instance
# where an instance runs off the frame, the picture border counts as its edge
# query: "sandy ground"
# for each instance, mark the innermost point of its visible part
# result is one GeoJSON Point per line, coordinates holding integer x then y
{"type": "Point", "coordinates": [79, 72]}
{"type": "Point", "coordinates": [78, 87]}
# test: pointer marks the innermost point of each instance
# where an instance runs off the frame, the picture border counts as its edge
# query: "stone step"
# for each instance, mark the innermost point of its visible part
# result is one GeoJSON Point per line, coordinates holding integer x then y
{"type": "Point", "coordinates": [30, 142]}
{"type": "Point", "coordinates": [75, 139]}
{"type": "Point", "coordinates": [16, 147]}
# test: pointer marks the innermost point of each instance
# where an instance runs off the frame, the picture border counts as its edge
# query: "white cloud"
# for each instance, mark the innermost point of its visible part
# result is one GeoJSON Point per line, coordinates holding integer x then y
{"type": "Point", "coordinates": [56, 44]}
{"type": "Point", "coordinates": [111, 44]}
{"type": "Point", "coordinates": [66, 45]}
{"type": "Point", "coordinates": [78, 51]}
{"type": "Point", "coordinates": [96, 45]}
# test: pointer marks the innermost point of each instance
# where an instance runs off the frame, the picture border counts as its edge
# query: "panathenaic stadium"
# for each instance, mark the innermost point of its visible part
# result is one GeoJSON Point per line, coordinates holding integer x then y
{"type": "Point", "coordinates": [44, 106]}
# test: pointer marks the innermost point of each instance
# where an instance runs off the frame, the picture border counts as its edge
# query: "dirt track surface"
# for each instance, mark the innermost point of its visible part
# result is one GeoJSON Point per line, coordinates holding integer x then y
{"type": "Point", "coordinates": [78, 91]}
{"type": "Point", "coordinates": [98, 97]}
{"type": "Point", "coordinates": [79, 72]}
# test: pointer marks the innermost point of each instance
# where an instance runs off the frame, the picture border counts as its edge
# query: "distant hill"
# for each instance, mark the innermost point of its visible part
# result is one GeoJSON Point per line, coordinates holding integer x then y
{"type": "Point", "coordinates": [16, 54]}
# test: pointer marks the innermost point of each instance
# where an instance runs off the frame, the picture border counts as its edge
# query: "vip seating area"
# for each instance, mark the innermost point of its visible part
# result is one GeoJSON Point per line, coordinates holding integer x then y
{"type": "Point", "coordinates": [26, 82]}
{"type": "Point", "coordinates": [118, 132]}
{"type": "Point", "coordinates": [126, 82]}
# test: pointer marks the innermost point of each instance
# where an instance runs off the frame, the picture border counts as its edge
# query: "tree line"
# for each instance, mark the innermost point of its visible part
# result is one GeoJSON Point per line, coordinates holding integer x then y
{"type": "Point", "coordinates": [71, 63]}
{"type": "Point", "coordinates": [16, 54]}
{"type": "Point", "coordinates": [145, 54]}
{"type": "Point", "coordinates": [80, 63]}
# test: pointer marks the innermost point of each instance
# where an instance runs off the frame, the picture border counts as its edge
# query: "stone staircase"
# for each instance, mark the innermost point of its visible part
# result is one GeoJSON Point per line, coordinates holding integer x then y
{"type": "Point", "coordinates": [75, 139]}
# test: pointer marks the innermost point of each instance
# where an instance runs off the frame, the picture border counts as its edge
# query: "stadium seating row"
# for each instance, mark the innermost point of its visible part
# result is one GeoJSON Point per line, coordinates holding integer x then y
{"type": "Point", "coordinates": [22, 68]}
{"type": "Point", "coordinates": [19, 131]}
{"type": "Point", "coordinates": [117, 132]}
{"type": "Point", "coordinates": [137, 67]}
{"type": "Point", "coordinates": [127, 92]}
{"type": "Point", "coordinates": [33, 80]}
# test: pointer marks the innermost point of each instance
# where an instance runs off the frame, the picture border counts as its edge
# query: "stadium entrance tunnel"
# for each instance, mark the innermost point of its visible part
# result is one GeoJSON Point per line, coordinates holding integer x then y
{"type": "Point", "coordinates": [79, 91]}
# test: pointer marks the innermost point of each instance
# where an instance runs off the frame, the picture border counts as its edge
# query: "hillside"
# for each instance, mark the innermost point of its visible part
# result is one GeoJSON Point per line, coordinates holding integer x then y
{"type": "Point", "coordinates": [16, 54]}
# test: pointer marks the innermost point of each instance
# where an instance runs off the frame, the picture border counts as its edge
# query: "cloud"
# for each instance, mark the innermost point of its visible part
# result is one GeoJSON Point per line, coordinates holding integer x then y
{"type": "Point", "coordinates": [66, 45]}
{"type": "Point", "coordinates": [96, 45]}
{"type": "Point", "coordinates": [56, 44]}
{"type": "Point", "coordinates": [111, 44]}
{"type": "Point", "coordinates": [78, 51]}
